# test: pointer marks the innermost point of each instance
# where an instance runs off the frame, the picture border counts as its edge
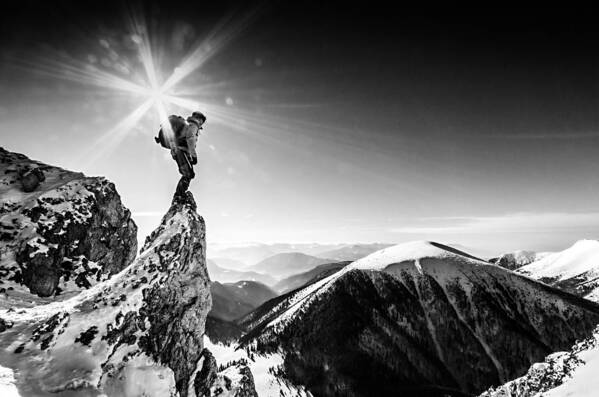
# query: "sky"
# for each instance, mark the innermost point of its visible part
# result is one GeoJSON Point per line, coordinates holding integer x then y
{"type": "Point", "coordinates": [325, 123]}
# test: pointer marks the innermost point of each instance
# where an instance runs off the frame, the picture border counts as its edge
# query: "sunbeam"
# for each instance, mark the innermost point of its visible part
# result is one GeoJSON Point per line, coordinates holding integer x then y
{"type": "Point", "coordinates": [154, 92]}
{"type": "Point", "coordinates": [113, 137]}
{"type": "Point", "coordinates": [226, 31]}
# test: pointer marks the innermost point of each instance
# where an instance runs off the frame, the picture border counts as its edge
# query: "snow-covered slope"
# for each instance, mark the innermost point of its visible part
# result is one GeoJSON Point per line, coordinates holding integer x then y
{"type": "Point", "coordinates": [417, 319]}
{"type": "Point", "coordinates": [139, 333]}
{"type": "Point", "coordinates": [517, 259]}
{"type": "Point", "coordinates": [66, 235]}
{"type": "Point", "coordinates": [576, 269]}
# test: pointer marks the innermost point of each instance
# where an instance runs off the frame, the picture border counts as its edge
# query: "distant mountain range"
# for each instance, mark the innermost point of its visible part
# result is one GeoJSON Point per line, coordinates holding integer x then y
{"type": "Point", "coordinates": [223, 275]}
{"type": "Point", "coordinates": [299, 280]}
{"type": "Point", "coordinates": [250, 254]}
{"type": "Point", "coordinates": [228, 263]}
{"type": "Point", "coordinates": [233, 300]}
{"type": "Point", "coordinates": [352, 252]}
{"type": "Point", "coordinates": [253, 253]}
{"type": "Point", "coordinates": [286, 264]}
{"type": "Point", "coordinates": [415, 319]}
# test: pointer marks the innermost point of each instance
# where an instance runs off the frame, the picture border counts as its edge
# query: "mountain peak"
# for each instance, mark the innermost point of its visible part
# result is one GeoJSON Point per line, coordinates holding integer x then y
{"type": "Point", "coordinates": [184, 205]}
{"type": "Point", "coordinates": [411, 251]}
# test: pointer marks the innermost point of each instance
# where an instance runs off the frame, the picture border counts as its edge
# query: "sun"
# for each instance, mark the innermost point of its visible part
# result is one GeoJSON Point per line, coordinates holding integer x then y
{"type": "Point", "coordinates": [157, 95]}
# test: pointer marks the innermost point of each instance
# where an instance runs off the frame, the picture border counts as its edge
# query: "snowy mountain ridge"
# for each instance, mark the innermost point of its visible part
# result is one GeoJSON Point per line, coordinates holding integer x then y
{"type": "Point", "coordinates": [581, 257]}
{"type": "Point", "coordinates": [575, 269]}
{"type": "Point", "coordinates": [378, 261]}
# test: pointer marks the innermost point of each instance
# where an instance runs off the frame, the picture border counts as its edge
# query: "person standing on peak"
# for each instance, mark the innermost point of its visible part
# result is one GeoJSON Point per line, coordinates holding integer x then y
{"type": "Point", "coordinates": [181, 139]}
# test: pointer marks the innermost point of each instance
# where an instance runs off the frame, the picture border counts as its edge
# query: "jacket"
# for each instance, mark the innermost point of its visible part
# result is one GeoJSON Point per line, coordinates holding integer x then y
{"type": "Point", "coordinates": [187, 140]}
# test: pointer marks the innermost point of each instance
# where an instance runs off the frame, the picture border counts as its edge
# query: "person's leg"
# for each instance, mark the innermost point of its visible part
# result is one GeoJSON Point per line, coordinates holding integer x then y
{"type": "Point", "coordinates": [185, 169]}
{"type": "Point", "coordinates": [184, 163]}
{"type": "Point", "coordinates": [182, 186]}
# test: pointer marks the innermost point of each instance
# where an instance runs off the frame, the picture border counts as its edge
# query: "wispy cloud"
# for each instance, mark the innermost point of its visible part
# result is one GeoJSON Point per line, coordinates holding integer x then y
{"type": "Point", "coordinates": [549, 136]}
{"type": "Point", "coordinates": [509, 223]}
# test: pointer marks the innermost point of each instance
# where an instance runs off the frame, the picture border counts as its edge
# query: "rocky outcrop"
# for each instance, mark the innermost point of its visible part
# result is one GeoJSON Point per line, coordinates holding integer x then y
{"type": "Point", "coordinates": [67, 234]}
{"type": "Point", "coordinates": [234, 379]}
{"type": "Point", "coordinates": [206, 375]}
{"type": "Point", "coordinates": [138, 333]}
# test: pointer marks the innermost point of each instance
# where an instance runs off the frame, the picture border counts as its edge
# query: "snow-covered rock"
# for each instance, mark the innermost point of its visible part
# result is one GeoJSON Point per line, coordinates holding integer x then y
{"type": "Point", "coordinates": [68, 234]}
{"type": "Point", "coordinates": [415, 319]}
{"type": "Point", "coordinates": [517, 259]}
{"type": "Point", "coordinates": [233, 379]}
{"type": "Point", "coordinates": [236, 380]}
{"type": "Point", "coordinates": [138, 333]}
{"type": "Point", "coordinates": [569, 373]}
{"type": "Point", "coordinates": [575, 269]}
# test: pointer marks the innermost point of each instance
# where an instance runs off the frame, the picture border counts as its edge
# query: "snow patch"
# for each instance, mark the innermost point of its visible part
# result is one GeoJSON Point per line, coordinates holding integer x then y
{"type": "Point", "coordinates": [7, 383]}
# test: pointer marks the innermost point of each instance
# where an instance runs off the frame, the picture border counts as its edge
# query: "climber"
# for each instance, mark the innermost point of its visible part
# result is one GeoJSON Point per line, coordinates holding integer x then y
{"type": "Point", "coordinates": [182, 143]}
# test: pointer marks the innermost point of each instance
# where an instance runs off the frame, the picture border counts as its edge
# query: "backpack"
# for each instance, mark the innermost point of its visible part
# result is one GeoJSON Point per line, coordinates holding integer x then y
{"type": "Point", "coordinates": [177, 125]}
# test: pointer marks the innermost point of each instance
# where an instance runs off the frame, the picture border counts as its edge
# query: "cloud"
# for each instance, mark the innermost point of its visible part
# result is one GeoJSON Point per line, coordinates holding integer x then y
{"type": "Point", "coordinates": [548, 136]}
{"type": "Point", "coordinates": [509, 223]}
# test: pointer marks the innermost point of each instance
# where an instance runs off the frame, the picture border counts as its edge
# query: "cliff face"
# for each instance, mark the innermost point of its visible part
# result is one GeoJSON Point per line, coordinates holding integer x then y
{"type": "Point", "coordinates": [67, 234]}
{"type": "Point", "coordinates": [139, 333]}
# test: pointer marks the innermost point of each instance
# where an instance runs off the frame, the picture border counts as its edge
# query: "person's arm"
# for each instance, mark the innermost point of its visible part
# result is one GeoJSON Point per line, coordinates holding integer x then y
{"type": "Point", "coordinates": [191, 142]}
